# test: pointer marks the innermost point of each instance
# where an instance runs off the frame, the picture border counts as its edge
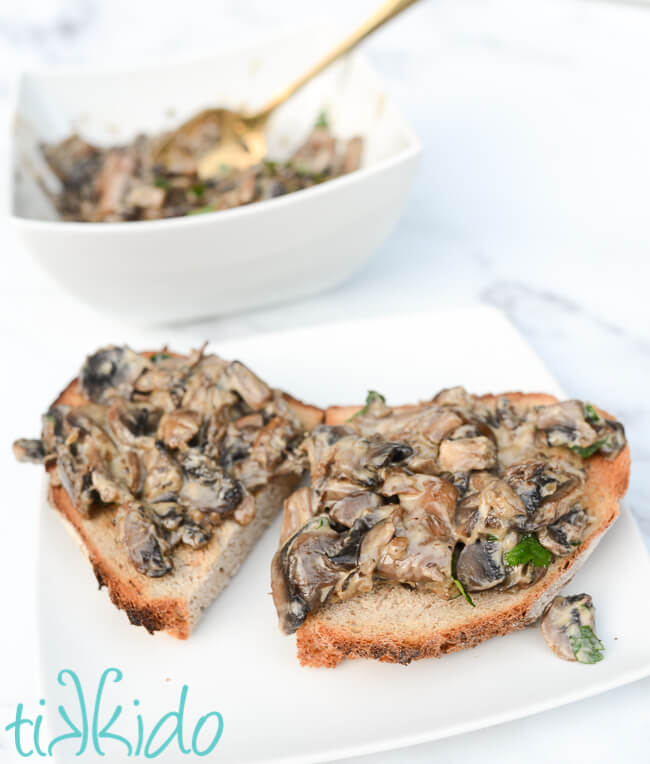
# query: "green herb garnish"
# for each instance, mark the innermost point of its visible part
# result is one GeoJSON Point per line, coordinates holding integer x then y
{"type": "Point", "coordinates": [198, 189]}
{"type": "Point", "coordinates": [159, 357]}
{"type": "Point", "coordinates": [461, 589]}
{"type": "Point", "coordinates": [322, 120]}
{"type": "Point", "coordinates": [586, 646]}
{"type": "Point", "coordinates": [202, 210]}
{"type": "Point", "coordinates": [588, 451]}
{"type": "Point", "coordinates": [372, 397]}
{"type": "Point", "coordinates": [529, 550]}
{"type": "Point", "coordinates": [457, 582]}
{"type": "Point", "coordinates": [492, 538]}
{"type": "Point", "coordinates": [161, 183]}
{"type": "Point", "coordinates": [301, 169]}
{"type": "Point", "coordinates": [591, 415]}
{"type": "Point", "coordinates": [270, 165]}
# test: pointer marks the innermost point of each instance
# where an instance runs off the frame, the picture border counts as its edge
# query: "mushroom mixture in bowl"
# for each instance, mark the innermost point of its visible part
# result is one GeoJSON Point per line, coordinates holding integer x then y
{"type": "Point", "coordinates": [454, 496]}
{"type": "Point", "coordinates": [127, 182]}
{"type": "Point", "coordinates": [172, 445]}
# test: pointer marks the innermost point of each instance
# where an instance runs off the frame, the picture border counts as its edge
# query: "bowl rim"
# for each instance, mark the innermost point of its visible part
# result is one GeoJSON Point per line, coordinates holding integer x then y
{"type": "Point", "coordinates": [411, 150]}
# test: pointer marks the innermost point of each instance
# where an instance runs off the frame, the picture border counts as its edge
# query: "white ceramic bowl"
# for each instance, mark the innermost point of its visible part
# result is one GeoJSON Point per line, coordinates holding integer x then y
{"type": "Point", "coordinates": [185, 268]}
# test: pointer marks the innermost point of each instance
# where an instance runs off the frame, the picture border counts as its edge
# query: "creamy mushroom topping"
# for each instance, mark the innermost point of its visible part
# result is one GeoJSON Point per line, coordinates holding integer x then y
{"type": "Point", "coordinates": [568, 627]}
{"type": "Point", "coordinates": [127, 182]}
{"type": "Point", "coordinates": [173, 445]}
{"type": "Point", "coordinates": [456, 495]}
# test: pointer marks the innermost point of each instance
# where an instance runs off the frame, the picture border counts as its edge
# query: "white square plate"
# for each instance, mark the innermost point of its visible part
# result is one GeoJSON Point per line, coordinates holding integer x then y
{"type": "Point", "coordinates": [239, 664]}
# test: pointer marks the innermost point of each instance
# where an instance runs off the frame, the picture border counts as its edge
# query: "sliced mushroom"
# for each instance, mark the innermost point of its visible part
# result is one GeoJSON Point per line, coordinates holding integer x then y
{"type": "Point", "coordinates": [250, 387]}
{"type": "Point", "coordinates": [465, 454]}
{"type": "Point", "coordinates": [163, 474]}
{"type": "Point", "coordinates": [353, 506]}
{"type": "Point", "coordinates": [489, 508]}
{"type": "Point", "coordinates": [371, 550]}
{"type": "Point", "coordinates": [145, 546]}
{"type": "Point", "coordinates": [564, 535]}
{"type": "Point", "coordinates": [506, 414]}
{"type": "Point", "coordinates": [568, 627]}
{"type": "Point", "coordinates": [177, 428]}
{"type": "Point", "coordinates": [207, 488]}
{"type": "Point", "coordinates": [297, 512]}
{"type": "Point", "coordinates": [480, 565]}
{"type": "Point", "coordinates": [302, 574]}
{"type": "Point", "coordinates": [565, 425]}
{"type": "Point", "coordinates": [133, 424]}
{"type": "Point", "coordinates": [548, 489]}
{"type": "Point", "coordinates": [111, 371]}
{"type": "Point", "coordinates": [27, 450]}
{"type": "Point", "coordinates": [169, 513]}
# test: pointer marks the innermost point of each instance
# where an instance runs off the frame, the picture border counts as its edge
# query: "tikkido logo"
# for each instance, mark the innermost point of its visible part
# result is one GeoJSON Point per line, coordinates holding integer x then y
{"type": "Point", "coordinates": [91, 728]}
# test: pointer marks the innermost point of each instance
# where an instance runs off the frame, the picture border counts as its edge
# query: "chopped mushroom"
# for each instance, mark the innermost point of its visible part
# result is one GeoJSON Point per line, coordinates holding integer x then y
{"type": "Point", "coordinates": [564, 535]}
{"type": "Point", "coordinates": [29, 450]}
{"type": "Point", "coordinates": [128, 182]}
{"type": "Point", "coordinates": [111, 370]}
{"type": "Point", "coordinates": [297, 512]}
{"type": "Point", "coordinates": [178, 427]}
{"type": "Point", "coordinates": [146, 548]}
{"type": "Point", "coordinates": [163, 437]}
{"type": "Point", "coordinates": [568, 627]}
{"type": "Point", "coordinates": [250, 387]}
{"type": "Point", "coordinates": [467, 454]}
{"type": "Point", "coordinates": [398, 491]}
{"type": "Point", "coordinates": [548, 490]}
{"type": "Point", "coordinates": [480, 565]}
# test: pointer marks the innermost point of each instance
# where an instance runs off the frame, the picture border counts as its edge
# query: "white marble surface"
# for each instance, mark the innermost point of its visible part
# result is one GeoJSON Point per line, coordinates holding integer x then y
{"type": "Point", "coordinates": [532, 196]}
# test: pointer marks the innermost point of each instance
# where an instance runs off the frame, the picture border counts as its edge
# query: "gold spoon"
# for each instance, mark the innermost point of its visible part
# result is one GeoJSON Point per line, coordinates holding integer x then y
{"type": "Point", "coordinates": [241, 139]}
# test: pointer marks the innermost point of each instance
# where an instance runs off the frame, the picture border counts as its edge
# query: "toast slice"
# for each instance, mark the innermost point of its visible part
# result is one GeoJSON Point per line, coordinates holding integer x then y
{"type": "Point", "coordinates": [396, 624]}
{"type": "Point", "coordinates": [175, 602]}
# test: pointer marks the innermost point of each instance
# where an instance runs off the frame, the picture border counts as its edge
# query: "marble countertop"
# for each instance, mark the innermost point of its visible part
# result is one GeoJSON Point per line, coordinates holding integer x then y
{"type": "Point", "coordinates": [532, 197]}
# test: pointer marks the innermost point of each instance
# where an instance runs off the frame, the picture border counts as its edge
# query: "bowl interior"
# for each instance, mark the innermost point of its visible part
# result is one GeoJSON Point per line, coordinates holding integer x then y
{"type": "Point", "coordinates": [112, 107]}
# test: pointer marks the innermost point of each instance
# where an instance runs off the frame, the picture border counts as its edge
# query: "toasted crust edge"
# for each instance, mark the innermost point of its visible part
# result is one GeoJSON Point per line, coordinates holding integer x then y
{"type": "Point", "coordinates": [319, 645]}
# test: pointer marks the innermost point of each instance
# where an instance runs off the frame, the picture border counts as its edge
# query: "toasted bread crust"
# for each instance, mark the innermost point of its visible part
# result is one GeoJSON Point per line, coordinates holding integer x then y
{"type": "Point", "coordinates": [173, 603]}
{"type": "Point", "coordinates": [335, 632]}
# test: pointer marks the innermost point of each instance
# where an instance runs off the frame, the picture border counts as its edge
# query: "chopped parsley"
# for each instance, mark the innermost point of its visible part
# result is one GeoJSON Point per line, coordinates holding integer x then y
{"type": "Point", "coordinates": [588, 451]}
{"type": "Point", "coordinates": [322, 120]}
{"type": "Point", "coordinates": [201, 210]}
{"type": "Point", "coordinates": [591, 415]}
{"type": "Point", "coordinates": [198, 189]}
{"type": "Point", "coordinates": [529, 550]}
{"type": "Point", "coordinates": [161, 183]}
{"type": "Point", "coordinates": [457, 582]}
{"type": "Point", "coordinates": [586, 646]}
{"type": "Point", "coordinates": [372, 397]}
{"type": "Point", "coordinates": [159, 357]}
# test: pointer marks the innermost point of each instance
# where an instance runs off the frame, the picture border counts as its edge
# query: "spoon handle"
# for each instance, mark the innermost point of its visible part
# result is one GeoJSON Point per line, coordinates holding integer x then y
{"type": "Point", "coordinates": [384, 13]}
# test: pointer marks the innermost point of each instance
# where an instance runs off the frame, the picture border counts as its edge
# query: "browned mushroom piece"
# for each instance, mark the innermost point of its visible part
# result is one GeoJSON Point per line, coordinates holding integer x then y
{"type": "Point", "coordinates": [178, 427]}
{"type": "Point", "coordinates": [565, 425]}
{"type": "Point", "coordinates": [144, 544]}
{"type": "Point", "coordinates": [565, 534]}
{"type": "Point", "coordinates": [302, 573]}
{"type": "Point", "coordinates": [548, 489]}
{"type": "Point", "coordinates": [250, 387]}
{"type": "Point", "coordinates": [568, 626]}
